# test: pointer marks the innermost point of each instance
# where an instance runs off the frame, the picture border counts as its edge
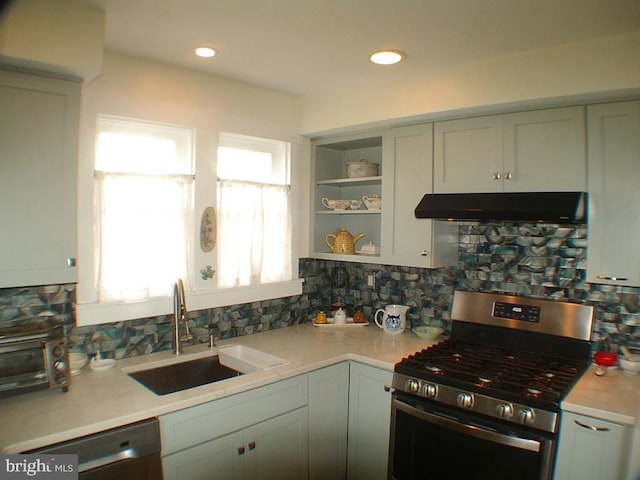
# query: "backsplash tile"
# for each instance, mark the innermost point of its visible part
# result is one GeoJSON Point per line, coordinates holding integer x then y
{"type": "Point", "coordinates": [532, 260]}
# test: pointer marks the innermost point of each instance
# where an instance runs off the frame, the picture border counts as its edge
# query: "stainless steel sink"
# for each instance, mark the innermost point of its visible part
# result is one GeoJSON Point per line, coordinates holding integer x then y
{"type": "Point", "coordinates": [184, 375]}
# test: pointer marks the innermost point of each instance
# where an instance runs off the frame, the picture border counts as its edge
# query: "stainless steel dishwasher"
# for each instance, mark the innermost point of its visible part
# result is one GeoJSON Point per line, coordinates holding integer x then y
{"type": "Point", "coordinates": [128, 452]}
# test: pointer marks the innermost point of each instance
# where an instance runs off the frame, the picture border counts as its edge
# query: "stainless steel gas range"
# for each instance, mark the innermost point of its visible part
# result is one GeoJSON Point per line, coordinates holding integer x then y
{"type": "Point", "coordinates": [485, 403]}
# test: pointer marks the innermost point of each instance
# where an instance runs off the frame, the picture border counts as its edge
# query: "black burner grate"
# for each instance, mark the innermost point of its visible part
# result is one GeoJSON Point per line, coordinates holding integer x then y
{"type": "Point", "coordinates": [519, 373]}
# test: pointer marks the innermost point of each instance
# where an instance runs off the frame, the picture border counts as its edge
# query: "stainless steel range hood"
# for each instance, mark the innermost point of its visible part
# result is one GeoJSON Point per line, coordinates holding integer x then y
{"type": "Point", "coordinates": [550, 207]}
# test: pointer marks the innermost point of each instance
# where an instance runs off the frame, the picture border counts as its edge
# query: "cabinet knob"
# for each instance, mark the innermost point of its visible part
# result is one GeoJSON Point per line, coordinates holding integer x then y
{"type": "Point", "coordinates": [507, 175]}
{"type": "Point", "coordinates": [496, 176]}
{"type": "Point", "coordinates": [71, 262]}
{"type": "Point", "coordinates": [252, 445]}
{"type": "Point", "coordinates": [241, 450]}
{"type": "Point", "coordinates": [387, 388]}
{"type": "Point", "coordinates": [424, 253]}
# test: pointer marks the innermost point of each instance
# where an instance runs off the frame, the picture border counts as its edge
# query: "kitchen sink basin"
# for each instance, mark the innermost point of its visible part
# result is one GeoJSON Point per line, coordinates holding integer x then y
{"type": "Point", "coordinates": [184, 375]}
{"type": "Point", "coordinates": [230, 361]}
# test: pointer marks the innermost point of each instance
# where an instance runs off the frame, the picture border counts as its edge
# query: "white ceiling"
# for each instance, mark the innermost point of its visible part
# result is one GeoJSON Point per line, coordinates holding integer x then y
{"type": "Point", "coordinates": [307, 47]}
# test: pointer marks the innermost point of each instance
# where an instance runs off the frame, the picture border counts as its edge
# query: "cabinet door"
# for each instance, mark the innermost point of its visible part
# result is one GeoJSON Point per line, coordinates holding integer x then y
{"type": "Point", "coordinates": [589, 448]}
{"type": "Point", "coordinates": [468, 155]}
{"type": "Point", "coordinates": [328, 417]}
{"type": "Point", "coordinates": [544, 150]}
{"type": "Point", "coordinates": [219, 458]}
{"type": "Point", "coordinates": [407, 173]}
{"type": "Point", "coordinates": [277, 449]}
{"type": "Point", "coordinates": [39, 142]}
{"type": "Point", "coordinates": [369, 422]}
{"type": "Point", "coordinates": [613, 256]}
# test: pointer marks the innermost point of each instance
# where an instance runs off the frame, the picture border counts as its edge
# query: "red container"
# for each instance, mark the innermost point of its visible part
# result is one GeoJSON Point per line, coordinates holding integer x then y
{"type": "Point", "coordinates": [606, 359]}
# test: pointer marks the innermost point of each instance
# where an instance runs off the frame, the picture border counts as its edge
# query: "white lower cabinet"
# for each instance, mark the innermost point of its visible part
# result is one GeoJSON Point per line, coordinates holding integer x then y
{"type": "Point", "coordinates": [590, 448]}
{"type": "Point", "coordinates": [328, 417]}
{"type": "Point", "coordinates": [369, 422]}
{"type": "Point", "coordinates": [259, 434]}
{"type": "Point", "coordinates": [330, 424]}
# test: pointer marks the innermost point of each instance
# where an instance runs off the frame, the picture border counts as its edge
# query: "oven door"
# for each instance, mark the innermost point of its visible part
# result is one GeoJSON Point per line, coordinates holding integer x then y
{"type": "Point", "coordinates": [429, 441]}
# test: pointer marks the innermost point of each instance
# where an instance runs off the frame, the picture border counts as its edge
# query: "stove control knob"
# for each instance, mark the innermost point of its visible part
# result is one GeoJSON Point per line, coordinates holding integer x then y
{"type": "Point", "coordinates": [526, 416]}
{"type": "Point", "coordinates": [412, 386]}
{"type": "Point", "coordinates": [429, 390]}
{"type": "Point", "coordinates": [465, 400]}
{"type": "Point", "coordinates": [505, 411]}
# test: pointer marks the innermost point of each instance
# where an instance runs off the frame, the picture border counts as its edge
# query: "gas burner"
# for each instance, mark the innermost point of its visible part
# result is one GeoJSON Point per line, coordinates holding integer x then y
{"type": "Point", "coordinates": [435, 370]}
{"type": "Point", "coordinates": [533, 392]}
{"type": "Point", "coordinates": [484, 381]}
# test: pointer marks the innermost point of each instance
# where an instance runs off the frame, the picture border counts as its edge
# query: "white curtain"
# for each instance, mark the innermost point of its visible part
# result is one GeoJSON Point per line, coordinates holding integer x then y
{"type": "Point", "coordinates": [254, 233]}
{"type": "Point", "coordinates": [143, 239]}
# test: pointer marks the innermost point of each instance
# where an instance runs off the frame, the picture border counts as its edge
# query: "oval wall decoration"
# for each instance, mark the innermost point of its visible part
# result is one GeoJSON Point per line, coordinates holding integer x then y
{"type": "Point", "coordinates": [208, 231]}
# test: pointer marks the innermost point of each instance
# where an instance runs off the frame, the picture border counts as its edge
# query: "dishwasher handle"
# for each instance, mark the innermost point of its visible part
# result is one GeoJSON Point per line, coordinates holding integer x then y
{"type": "Point", "coordinates": [94, 463]}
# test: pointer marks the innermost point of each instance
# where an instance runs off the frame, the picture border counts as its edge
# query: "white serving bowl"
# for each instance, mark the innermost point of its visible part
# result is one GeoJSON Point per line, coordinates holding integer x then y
{"type": "Point", "coordinates": [77, 360]}
{"type": "Point", "coordinates": [428, 333]}
{"type": "Point", "coordinates": [630, 366]}
{"type": "Point", "coordinates": [101, 364]}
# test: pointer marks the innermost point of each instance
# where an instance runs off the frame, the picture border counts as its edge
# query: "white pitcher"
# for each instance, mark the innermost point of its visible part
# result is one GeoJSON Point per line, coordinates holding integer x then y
{"type": "Point", "coordinates": [394, 318]}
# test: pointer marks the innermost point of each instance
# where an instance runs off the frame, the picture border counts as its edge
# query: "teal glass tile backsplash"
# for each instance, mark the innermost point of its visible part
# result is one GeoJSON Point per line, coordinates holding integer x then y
{"type": "Point", "coordinates": [532, 260]}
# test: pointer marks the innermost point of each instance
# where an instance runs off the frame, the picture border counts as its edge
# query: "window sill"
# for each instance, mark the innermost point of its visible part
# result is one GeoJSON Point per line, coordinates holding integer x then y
{"type": "Point", "coordinates": [99, 313]}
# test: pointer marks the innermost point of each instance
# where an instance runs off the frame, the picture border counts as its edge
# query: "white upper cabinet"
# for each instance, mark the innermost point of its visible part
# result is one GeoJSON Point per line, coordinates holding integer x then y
{"type": "Point", "coordinates": [38, 163]}
{"type": "Point", "coordinates": [468, 155]}
{"type": "Point", "coordinates": [404, 160]}
{"type": "Point", "coordinates": [542, 150]}
{"type": "Point", "coordinates": [330, 157]}
{"type": "Point", "coordinates": [408, 175]}
{"type": "Point", "coordinates": [613, 256]}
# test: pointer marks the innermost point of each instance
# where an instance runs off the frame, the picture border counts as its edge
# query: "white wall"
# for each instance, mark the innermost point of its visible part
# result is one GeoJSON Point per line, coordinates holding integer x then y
{"type": "Point", "coordinates": [53, 35]}
{"type": "Point", "coordinates": [601, 69]}
{"type": "Point", "coordinates": [141, 89]}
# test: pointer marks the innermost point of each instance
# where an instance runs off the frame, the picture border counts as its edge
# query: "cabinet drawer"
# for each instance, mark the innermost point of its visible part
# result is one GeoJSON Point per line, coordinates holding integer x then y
{"type": "Point", "coordinates": [192, 426]}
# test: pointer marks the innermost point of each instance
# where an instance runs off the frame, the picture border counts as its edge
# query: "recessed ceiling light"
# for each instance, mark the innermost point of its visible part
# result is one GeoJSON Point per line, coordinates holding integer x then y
{"type": "Point", "coordinates": [205, 52]}
{"type": "Point", "coordinates": [387, 57]}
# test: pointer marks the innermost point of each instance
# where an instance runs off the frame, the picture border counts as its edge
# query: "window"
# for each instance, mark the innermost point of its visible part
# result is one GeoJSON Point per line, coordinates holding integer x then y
{"type": "Point", "coordinates": [144, 208]}
{"type": "Point", "coordinates": [254, 211]}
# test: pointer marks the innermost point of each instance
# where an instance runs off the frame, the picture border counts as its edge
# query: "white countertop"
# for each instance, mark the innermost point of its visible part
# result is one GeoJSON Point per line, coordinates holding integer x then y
{"type": "Point", "coordinates": [101, 400]}
{"type": "Point", "coordinates": [614, 397]}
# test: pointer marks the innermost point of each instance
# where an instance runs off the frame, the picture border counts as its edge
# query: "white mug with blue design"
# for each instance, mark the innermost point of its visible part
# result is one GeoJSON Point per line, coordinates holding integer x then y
{"type": "Point", "coordinates": [394, 318]}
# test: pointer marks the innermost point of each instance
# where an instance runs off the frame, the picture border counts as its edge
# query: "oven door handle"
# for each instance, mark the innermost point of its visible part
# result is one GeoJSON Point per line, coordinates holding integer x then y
{"type": "Point", "coordinates": [472, 430]}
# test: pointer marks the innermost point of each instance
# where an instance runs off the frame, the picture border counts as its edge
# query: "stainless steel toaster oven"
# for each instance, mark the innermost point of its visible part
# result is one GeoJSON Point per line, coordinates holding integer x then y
{"type": "Point", "coordinates": [33, 358]}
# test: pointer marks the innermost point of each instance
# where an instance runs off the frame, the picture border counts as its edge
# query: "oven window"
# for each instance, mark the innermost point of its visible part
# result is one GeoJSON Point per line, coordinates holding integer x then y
{"type": "Point", "coordinates": [423, 450]}
{"type": "Point", "coordinates": [21, 362]}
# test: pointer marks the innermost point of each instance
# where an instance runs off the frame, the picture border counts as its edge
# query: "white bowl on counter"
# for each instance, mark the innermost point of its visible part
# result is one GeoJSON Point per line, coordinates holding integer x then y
{"type": "Point", "coordinates": [427, 332]}
{"type": "Point", "coordinates": [630, 366]}
{"type": "Point", "coordinates": [101, 364]}
{"type": "Point", "coordinates": [77, 360]}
